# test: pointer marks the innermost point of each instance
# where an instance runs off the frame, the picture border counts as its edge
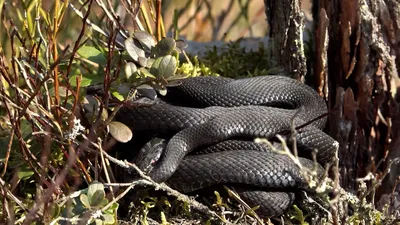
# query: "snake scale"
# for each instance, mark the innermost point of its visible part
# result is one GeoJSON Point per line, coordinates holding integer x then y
{"type": "Point", "coordinates": [218, 118]}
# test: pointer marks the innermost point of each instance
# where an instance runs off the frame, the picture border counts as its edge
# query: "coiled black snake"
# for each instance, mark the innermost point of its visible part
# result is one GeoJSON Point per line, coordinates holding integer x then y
{"type": "Point", "coordinates": [220, 116]}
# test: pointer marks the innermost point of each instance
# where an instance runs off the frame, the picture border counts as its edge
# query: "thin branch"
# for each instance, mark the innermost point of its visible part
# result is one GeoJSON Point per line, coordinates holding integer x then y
{"type": "Point", "coordinates": [77, 42]}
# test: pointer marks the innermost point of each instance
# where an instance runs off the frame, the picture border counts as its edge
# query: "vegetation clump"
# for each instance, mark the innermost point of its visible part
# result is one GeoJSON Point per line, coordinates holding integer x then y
{"type": "Point", "coordinates": [235, 61]}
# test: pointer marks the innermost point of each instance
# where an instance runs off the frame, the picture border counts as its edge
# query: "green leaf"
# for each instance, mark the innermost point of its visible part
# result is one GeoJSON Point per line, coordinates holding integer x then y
{"type": "Point", "coordinates": [164, 67]}
{"type": "Point", "coordinates": [24, 173]}
{"type": "Point", "coordinates": [120, 131]}
{"type": "Point", "coordinates": [112, 209]}
{"type": "Point", "coordinates": [97, 198]}
{"type": "Point", "coordinates": [54, 210]}
{"type": "Point", "coordinates": [145, 73]}
{"type": "Point", "coordinates": [96, 193]}
{"type": "Point", "coordinates": [163, 219]}
{"type": "Point", "coordinates": [145, 39]}
{"type": "Point", "coordinates": [298, 215]}
{"type": "Point", "coordinates": [143, 61]}
{"type": "Point", "coordinates": [98, 222]}
{"type": "Point", "coordinates": [86, 80]}
{"type": "Point", "coordinates": [92, 54]}
{"type": "Point", "coordinates": [164, 47]}
{"type": "Point", "coordinates": [165, 201]}
{"type": "Point", "coordinates": [117, 95]}
{"type": "Point", "coordinates": [219, 199]}
{"type": "Point", "coordinates": [108, 219]}
{"type": "Point", "coordinates": [84, 200]}
{"type": "Point", "coordinates": [181, 44]}
{"type": "Point", "coordinates": [130, 69]}
{"type": "Point", "coordinates": [134, 48]}
{"type": "Point", "coordinates": [103, 203]}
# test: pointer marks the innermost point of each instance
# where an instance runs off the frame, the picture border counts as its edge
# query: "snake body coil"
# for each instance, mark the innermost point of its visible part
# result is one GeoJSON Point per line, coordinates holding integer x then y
{"type": "Point", "coordinates": [219, 113]}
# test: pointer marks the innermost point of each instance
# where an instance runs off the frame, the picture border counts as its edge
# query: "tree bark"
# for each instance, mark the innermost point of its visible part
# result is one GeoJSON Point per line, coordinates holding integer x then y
{"type": "Point", "coordinates": [357, 59]}
{"type": "Point", "coordinates": [286, 23]}
{"type": "Point", "coordinates": [359, 77]}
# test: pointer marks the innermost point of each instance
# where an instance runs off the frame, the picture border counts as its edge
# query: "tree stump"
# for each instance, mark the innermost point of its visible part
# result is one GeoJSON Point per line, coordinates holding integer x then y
{"type": "Point", "coordinates": [286, 23]}
{"type": "Point", "coordinates": [356, 68]}
{"type": "Point", "coordinates": [361, 67]}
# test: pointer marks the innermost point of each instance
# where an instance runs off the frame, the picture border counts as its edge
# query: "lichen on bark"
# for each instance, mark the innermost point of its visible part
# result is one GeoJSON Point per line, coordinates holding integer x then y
{"type": "Point", "coordinates": [286, 48]}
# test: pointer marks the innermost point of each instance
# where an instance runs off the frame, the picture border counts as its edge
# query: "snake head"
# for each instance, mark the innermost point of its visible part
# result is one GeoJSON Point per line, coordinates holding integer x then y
{"type": "Point", "coordinates": [146, 91]}
{"type": "Point", "coordinates": [142, 95]}
{"type": "Point", "coordinates": [150, 154]}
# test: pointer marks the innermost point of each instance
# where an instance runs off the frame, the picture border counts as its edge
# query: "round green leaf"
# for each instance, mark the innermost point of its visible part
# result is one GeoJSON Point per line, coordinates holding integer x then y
{"type": "Point", "coordinates": [149, 62]}
{"type": "Point", "coordinates": [93, 188]}
{"type": "Point", "coordinates": [97, 198]}
{"type": "Point", "coordinates": [130, 69]}
{"type": "Point", "coordinates": [120, 131]}
{"type": "Point", "coordinates": [142, 61]}
{"type": "Point", "coordinates": [165, 47]}
{"type": "Point", "coordinates": [84, 200]}
{"type": "Point", "coordinates": [164, 67]}
{"type": "Point", "coordinates": [134, 48]}
{"type": "Point", "coordinates": [181, 44]}
{"type": "Point", "coordinates": [108, 219]}
{"type": "Point", "coordinates": [145, 39]}
{"type": "Point", "coordinates": [98, 222]}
